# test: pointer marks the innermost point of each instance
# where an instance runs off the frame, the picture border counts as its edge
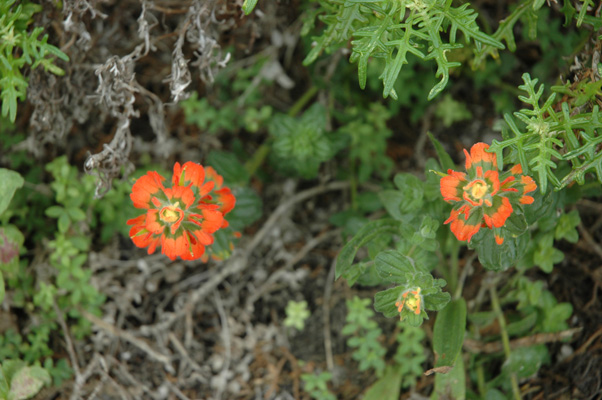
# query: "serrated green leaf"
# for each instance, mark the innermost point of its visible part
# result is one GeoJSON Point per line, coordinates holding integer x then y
{"type": "Point", "coordinates": [368, 232]}
{"type": "Point", "coordinates": [385, 300]}
{"type": "Point", "coordinates": [448, 334]}
{"type": "Point", "coordinates": [393, 267]}
{"type": "Point", "coordinates": [497, 257]}
{"type": "Point", "coordinates": [10, 181]}
{"type": "Point", "coordinates": [229, 167]}
{"type": "Point", "coordinates": [437, 301]}
{"type": "Point", "coordinates": [248, 208]}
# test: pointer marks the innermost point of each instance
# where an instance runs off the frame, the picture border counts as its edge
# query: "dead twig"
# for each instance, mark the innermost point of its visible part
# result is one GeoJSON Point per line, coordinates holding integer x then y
{"type": "Point", "coordinates": [223, 376]}
{"type": "Point", "coordinates": [585, 345]}
{"type": "Point", "coordinates": [182, 350]}
{"type": "Point", "coordinates": [309, 246]}
{"type": "Point", "coordinates": [142, 345]}
{"type": "Point", "coordinates": [79, 381]}
{"type": "Point", "coordinates": [476, 346]}
{"type": "Point", "coordinates": [326, 316]}
{"type": "Point", "coordinates": [591, 242]}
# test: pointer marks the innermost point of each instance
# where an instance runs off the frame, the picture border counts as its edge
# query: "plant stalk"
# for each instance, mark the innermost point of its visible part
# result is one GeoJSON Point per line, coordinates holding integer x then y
{"type": "Point", "coordinates": [495, 302]}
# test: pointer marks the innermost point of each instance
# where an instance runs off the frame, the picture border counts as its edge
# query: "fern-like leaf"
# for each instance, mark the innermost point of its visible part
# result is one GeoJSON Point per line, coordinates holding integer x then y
{"type": "Point", "coordinates": [389, 30]}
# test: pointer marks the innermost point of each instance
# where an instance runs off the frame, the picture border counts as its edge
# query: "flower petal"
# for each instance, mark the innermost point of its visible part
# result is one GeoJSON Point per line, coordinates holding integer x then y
{"type": "Point", "coordinates": [478, 157]}
{"type": "Point", "coordinates": [174, 246]}
{"type": "Point", "coordinates": [144, 189]}
{"type": "Point", "coordinates": [189, 173]}
{"type": "Point", "coordinates": [497, 215]}
{"type": "Point", "coordinates": [225, 199]}
{"type": "Point", "coordinates": [462, 227]}
{"type": "Point", "coordinates": [451, 185]}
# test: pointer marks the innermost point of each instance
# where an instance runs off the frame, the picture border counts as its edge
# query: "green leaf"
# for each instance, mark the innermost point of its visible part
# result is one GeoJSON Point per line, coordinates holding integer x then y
{"type": "Point", "coordinates": [248, 208]}
{"type": "Point", "coordinates": [387, 387]}
{"type": "Point", "coordinates": [448, 334]}
{"type": "Point", "coordinates": [227, 165]}
{"type": "Point", "coordinates": [566, 227]}
{"type": "Point", "coordinates": [437, 301]}
{"type": "Point", "coordinates": [55, 211]}
{"type": "Point", "coordinates": [76, 214]}
{"type": "Point", "coordinates": [525, 361]}
{"type": "Point", "coordinates": [394, 267]}
{"type": "Point", "coordinates": [385, 300]}
{"type": "Point", "coordinates": [10, 181]}
{"type": "Point", "coordinates": [2, 289]}
{"type": "Point", "coordinates": [3, 384]}
{"type": "Point", "coordinates": [27, 382]}
{"type": "Point", "coordinates": [444, 158]}
{"type": "Point", "coordinates": [64, 222]}
{"type": "Point", "coordinates": [412, 190]}
{"type": "Point", "coordinates": [523, 325]}
{"type": "Point", "coordinates": [451, 385]}
{"type": "Point", "coordinates": [368, 232]}
{"type": "Point", "coordinates": [546, 256]}
{"type": "Point", "coordinates": [392, 201]}
{"type": "Point", "coordinates": [248, 6]}
{"type": "Point", "coordinates": [497, 257]}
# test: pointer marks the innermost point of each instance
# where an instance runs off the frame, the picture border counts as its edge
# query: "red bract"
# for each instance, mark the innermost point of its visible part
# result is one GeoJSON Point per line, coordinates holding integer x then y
{"type": "Point", "coordinates": [481, 197]}
{"type": "Point", "coordinates": [181, 218]}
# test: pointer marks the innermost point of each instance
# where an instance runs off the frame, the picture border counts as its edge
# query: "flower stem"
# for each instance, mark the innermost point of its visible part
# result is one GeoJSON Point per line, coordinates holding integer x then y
{"type": "Point", "coordinates": [452, 280]}
{"type": "Point", "coordinates": [495, 302]}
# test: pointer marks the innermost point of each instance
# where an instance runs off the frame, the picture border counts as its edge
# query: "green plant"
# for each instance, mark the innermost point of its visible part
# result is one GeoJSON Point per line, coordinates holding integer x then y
{"type": "Point", "coordinates": [296, 314]}
{"type": "Point", "coordinates": [392, 30]}
{"type": "Point", "coordinates": [317, 386]}
{"type": "Point", "coordinates": [364, 332]}
{"type": "Point", "coordinates": [19, 381]}
{"type": "Point", "coordinates": [545, 132]}
{"type": "Point", "coordinates": [301, 144]}
{"type": "Point", "coordinates": [19, 47]}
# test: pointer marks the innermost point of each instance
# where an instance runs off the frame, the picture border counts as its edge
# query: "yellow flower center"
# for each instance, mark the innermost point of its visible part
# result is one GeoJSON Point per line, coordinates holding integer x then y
{"type": "Point", "coordinates": [479, 189]}
{"type": "Point", "coordinates": [170, 214]}
{"type": "Point", "coordinates": [410, 299]}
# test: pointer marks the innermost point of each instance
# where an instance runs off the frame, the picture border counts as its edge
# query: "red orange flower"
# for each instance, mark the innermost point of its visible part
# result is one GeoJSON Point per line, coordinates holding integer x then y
{"type": "Point", "coordinates": [182, 218]}
{"type": "Point", "coordinates": [411, 299]}
{"type": "Point", "coordinates": [481, 197]}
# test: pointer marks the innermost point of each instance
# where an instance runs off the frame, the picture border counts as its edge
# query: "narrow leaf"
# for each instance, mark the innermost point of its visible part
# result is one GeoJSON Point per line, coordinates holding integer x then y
{"type": "Point", "coordinates": [248, 6]}
{"type": "Point", "coordinates": [448, 334]}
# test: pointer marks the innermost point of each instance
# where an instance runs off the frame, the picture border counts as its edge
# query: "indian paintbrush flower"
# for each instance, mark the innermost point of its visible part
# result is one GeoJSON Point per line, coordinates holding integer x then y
{"type": "Point", "coordinates": [182, 218]}
{"type": "Point", "coordinates": [410, 299]}
{"type": "Point", "coordinates": [482, 197]}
